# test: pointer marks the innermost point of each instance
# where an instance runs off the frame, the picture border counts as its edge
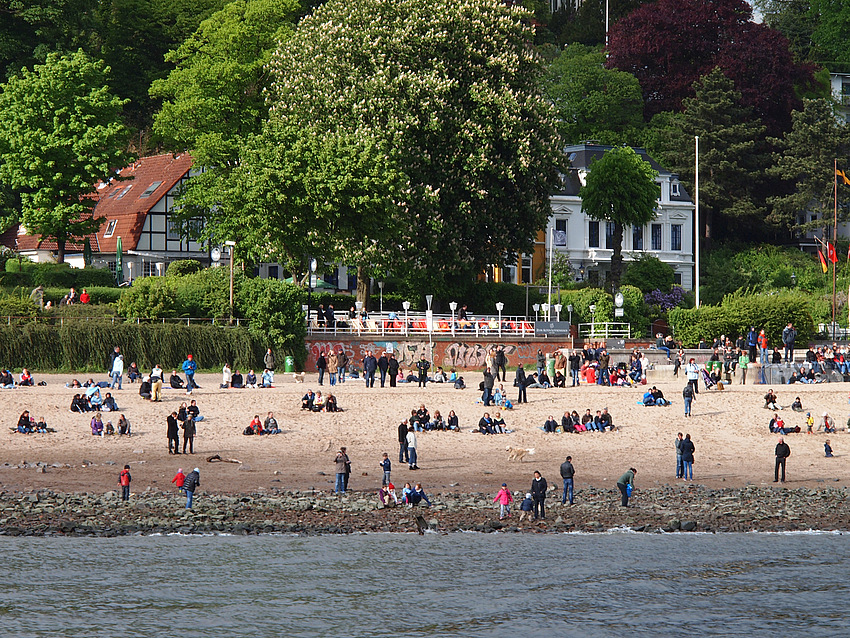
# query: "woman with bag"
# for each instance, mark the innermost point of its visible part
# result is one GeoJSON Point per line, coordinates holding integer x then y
{"type": "Point", "coordinates": [688, 458]}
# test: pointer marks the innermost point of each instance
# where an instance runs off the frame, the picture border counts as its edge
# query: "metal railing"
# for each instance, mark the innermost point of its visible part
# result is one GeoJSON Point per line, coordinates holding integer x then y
{"type": "Point", "coordinates": [605, 330]}
{"type": "Point", "coordinates": [418, 324]}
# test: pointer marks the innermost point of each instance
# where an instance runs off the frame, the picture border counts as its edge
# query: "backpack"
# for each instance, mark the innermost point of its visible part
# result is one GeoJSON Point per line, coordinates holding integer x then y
{"type": "Point", "coordinates": [248, 431]}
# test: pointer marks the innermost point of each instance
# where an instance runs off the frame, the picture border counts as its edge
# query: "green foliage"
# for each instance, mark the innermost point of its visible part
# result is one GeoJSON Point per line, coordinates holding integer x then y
{"type": "Point", "coordinates": [60, 133]}
{"type": "Point", "coordinates": [649, 273]}
{"type": "Point", "coordinates": [149, 298]}
{"type": "Point", "coordinates": [205, 293]}
{"type": "Point", "coordinates": [482, 296]}
{"type": "Point", "coordinates": [635, 311]}
{"type": "Point", "coordinates": [273, 309]}
{"type": "Point", "coordinates": [592, 102]}
{"type": "Point", "coordinates": [620, 188]}
{"type": "Point", "coordinates": [583, 299]}
{"type": "Point", "coordinates": [27, 273]}
{"type": "Point", "coordinates": [17, 304]}
{"type": "Point", "coordinates": [182, 267]}
{"type": "Point", "coordinates": [738, 312]}
{"type": "Point", "coordinates": [85, 346]}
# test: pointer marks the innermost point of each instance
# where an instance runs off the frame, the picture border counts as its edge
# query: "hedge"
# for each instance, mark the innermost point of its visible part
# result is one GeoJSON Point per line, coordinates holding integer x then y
{"type": "Point", "coordinates": [735, 315]}
{"type": "Point", "coordinates": [86, 346]}
{"type": "Point", "coordinates": [28, 273]}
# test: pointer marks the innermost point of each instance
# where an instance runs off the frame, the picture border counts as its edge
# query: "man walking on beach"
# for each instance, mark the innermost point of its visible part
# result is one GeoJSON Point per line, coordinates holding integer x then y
{"type": "Point", "coordinates": [189, 366]}
{"type": "Point", "coordinates": [392, 369]}
{"type": "Point", "coordinates": [411, 448]}
{"type": "Point", "coordinates": [567, 473]}
{"type": "Point", "coordinates": [520, 383]}
{"type": "Point", "coordinates": [370, 364]}
{"type": "Point", "coordinates": [383, 366]}
{"type": "Point", "coordinates": [538, 495]}
{"type": "Point", "coordinates": [782, 452]}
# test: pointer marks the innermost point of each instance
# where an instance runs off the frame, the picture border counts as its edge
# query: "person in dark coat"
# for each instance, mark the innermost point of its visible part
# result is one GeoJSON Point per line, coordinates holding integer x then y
{"type": "Point", "coordinates": [488, 387]}
{"type": "Point", "coordinates": [687, 448]}
{"type": "Point", "coordinates": [538, 495]}
{"type": "Point", "coordinates": [392, 369]}
{"type": "Point", "coordinates": [519, 382]}
{"type": "Point", "coordinates": [568, 473]}
{"type": "Point", "coordinates": [403, 454]}
{"type": "Point", "coordinates": [321, 366]}
{"type": "Point", "coordinates": [782, 453]}
{"type": "Point", "coordinates": [501, 361]}
{"type": "Point", "coordinates": [173, 434]}
{"type": "Point", "coordinates": [383, 366]}
{"type": "Point", "coordinates": [370, 365]}
{"type": "Point", "coordinates": [190, 483]}
{"type": "Point", "coordinates": [189, 435]}
{"type": "Point", "coordinates": [423, 365]}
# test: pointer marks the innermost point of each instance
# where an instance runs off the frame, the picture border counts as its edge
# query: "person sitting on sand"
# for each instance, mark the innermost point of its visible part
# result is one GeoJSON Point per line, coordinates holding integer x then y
{"type": "Point", "coordinates": [388, 496]}
{"type": "Point", "coordinates": [270, 424]}
{"type": "Point", "coordinates": [568, 424]}
{"type": "Point", "coordinates": [797, 406]}
{"type": "Point", "coordinates": [123, 425]}
{"type": "Point", "coordinates": [658, 395]}
{"type": "Point", "coordinates": [551, 425]}
{"type": "Point", "coordinates": [7, 381]}
{"type": "Point", "coordinates": [26, 378]}
{"type": "Point", "coordinates": [175, 381]}
{"type": "Point", "coordinates": [24, 424]}
{"type": "Point", "coordinates": [770, 400]}
{"type": "Point", "coordinates": [109, 404]}
{"type": "Point", "coordinates": [79, 404]}
{"type": "Point", "coordinates": [319, 403]}
{"type": "Point", "coordinates": [307, 400]}
{"type": "Point", "coordinates": [485, 424]}
{"type": "Point", "coordinates": [251, 380]}
{"type": "Point", "coordinates": [256, 425]}
{"type": "Point", "coordinates": [777, 425]}
{"type": "Point", "coordinates": [74, 384]}
{"type": "Point", "coordinates": [97, 425]}
{"type": "Point", "coordinates": [133, 372]}
{"type": "Point", "coordinates": [452, 422]}
{"type": "Point", "coordinates": [422, 418]}
{"type": "Point", "coordinates": [827, 449]}
{"type": "Point", "coordinates": [331, 404]}
{"type": "Point", "coordinates": [267, 379]}
{"type": "Point", "coordinates": [109, 428]}
{"type": "Point", "coordinates": [194, 411]}
{"type": "Point", "coordinates": [236, 380]}
{"type": "Point", "coordinates": [827, 423]}
{"type": "Point", "coordinates": [499, 426]}
{"type": "Point", "coordinates": [437, 422]}
{"type": "Point", "coordinates": [146, 388]}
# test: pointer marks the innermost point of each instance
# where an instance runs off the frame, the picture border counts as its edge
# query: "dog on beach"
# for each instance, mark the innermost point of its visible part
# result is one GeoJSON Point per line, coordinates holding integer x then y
{"type": "Point", "coordinates": [518, 453]}
{"type": "Point", "coordinates": [298, 377]}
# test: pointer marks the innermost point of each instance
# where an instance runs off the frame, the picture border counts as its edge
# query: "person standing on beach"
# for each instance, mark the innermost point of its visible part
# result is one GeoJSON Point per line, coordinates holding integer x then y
{"type": "Point", "coordinates": [688, 396]}
{"type": "Point", "coordinates": [568, 473]}
{"type": "Point", "coordinates": [743, 364]}
{"type": "Point", "coordinates": [411, 448]}
{"type": "Point", "coordinates": [688, 449]}
{"type": "Point", "coordinates": [392, 369]}
{"type": "Point", "coordinates": [692, 372]}
{"type": "Point", "coordinates": [520, 383]}
{"type": "Point", "coordinates": [504, 499]}
{"type": "Point", "coordinates": [489, 382]}
{"type": "Point", "coordinates": [173, 434]}
{"type": "Point", "coordinates": [423, 365]}
{"type": "Point", "coordinates": [626, 484]}
{"type": "Point", "coordinates": [538, 495]}
{"type": "Point", "coordinates": [321, 366]}
{"type": "Point", "coordinates": [156, 383]}
{"type": "Point", "coordinates": [370, 365]}
{"type": "Point", "coordinates": [268, 360]}
{"type": "Point", "coordinates": [501, 361]}
{"type": "Point", "coordinates": [789, 335]}
{"type": "Point", "coordinates": [680, 472]}
{"type": "Point", "coordinates": [342, 464]}
{"type": "Point", "coordinates": [386, 466]}
{"type": "Point", "coordinates": [188, 434]}
{"type": "Point", "coordinates": [124, 481]}
{"type": "Point", "coordinates": [189, 366]}
{"type": "Point", "coordinates": [190, 483]}
{"type": "Point", "coordinates": [403, 453]}
{"type": "Point", "coordinates": [383, 366]}
{"type": "Point", "coordinates": [782, 453]}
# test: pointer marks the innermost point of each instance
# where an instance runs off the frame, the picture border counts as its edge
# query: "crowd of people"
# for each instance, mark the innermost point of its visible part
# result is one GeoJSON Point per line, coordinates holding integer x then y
{"type": "Point", "coordinates": [28, 425]}
{"type": "Point", "coordinates": [572, 423]}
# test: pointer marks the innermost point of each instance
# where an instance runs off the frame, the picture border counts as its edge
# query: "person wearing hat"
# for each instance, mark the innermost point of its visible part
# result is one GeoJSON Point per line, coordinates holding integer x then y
{"type": "Point", "coordinates": [504, 499]}
{"type": "Point", "coordinates": [192, 481]}
{"type": "Point", "coordinates": [526, 507]}
{"type": "Point", "coordinates": [189, 367]}
{"type": "Point", "coordinates": [626, 484]}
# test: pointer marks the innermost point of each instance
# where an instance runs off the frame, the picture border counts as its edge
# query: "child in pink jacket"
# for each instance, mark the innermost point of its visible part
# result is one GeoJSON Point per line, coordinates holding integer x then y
{"type": "Point", "coordinates": [504, 499]}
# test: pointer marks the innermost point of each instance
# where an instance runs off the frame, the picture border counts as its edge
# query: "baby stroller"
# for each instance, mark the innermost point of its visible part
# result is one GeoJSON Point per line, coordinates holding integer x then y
{"type": "Point", "coordinates": [709, 382]}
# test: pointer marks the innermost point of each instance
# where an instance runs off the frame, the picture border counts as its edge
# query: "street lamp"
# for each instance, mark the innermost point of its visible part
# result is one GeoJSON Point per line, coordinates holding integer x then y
{"type": "Point", "coordinates": [570, 310]}
{"type": "Point", "coordinates": [453, 306]}
{"type": "Point", "coordinates": [793, 280]}
{"type": "Point", "coordinates": [500, 306]}
{"type": "Point", "coordinates": [536, 308]}
{"type": "Point", "coordinates": [406, 306]}
{"type": "Point", "coordinates": [381, 289]}
{"type": "Point", "coordinates": [558, 310]}
{"type": "Point", "coordinates": [313, 265]}
{"type": "Point", "coordinates": [546, 307]}
{"type": "Point", "coordinates": [232, 245]}
{"type": "Point", "coordinates": [592, 309]}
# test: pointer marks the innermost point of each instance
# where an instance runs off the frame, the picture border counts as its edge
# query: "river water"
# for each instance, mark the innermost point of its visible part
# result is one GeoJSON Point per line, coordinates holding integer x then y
{"type": "Point", "coordinates": [458, 584]}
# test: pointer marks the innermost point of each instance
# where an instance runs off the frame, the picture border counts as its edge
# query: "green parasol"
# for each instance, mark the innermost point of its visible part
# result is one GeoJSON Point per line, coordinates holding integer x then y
{"type": "Point", "coordinates": [119, 268]}
{"type": "Point", "coordinates": [87, 252]}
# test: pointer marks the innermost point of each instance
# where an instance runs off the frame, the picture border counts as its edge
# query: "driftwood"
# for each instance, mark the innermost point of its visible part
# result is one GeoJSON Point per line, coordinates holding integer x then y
{"type": "Point", "coordinates": [215, 458]}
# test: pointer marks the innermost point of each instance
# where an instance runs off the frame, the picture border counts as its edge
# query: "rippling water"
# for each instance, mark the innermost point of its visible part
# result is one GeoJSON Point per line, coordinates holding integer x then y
{"type": "Point", "coordinates": [432, 585]}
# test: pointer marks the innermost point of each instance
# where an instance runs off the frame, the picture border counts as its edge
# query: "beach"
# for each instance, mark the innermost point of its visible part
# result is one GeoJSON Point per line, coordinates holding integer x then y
{"type": "Point", "coordinates": [729, 429]}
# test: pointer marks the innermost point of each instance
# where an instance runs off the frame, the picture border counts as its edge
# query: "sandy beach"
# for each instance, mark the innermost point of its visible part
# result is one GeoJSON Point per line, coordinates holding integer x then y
{"type": "Point", "coordinates": [729, 429]}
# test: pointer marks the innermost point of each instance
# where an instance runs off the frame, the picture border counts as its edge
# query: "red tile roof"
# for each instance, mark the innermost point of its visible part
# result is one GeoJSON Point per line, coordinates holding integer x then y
{"type": "Point", "coordinates": [128, 210]}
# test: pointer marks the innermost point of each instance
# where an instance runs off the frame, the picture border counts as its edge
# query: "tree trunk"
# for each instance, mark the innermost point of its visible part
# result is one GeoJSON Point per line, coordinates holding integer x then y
{"type": "Point", "coordinates": [617, 257]}
{"type": "Point", "coordinates": [60, 251]}
{"type": "Point", "coordinates": [363, 282]}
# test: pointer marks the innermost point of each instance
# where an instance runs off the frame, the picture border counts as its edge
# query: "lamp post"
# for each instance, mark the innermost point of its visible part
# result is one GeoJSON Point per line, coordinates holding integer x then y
{"type": "Point", "coordinates": [232, 245]}
{"type": "Point", "coordinates": [313, 266]}
{"type": "Point", "coordinates": [546, 307]}
{"type": "Point", "coordinates": [536, 308]}
{"type": "Point", "coordinates": [406, 306]}
{"type": "Point", "coordinates": [793, 280]}
{"type": "Point", "coordinates": [558, 311]}
{"type": "Point", "coordinates": [500, 306]}
{"type": "Point", "coordinates": [570, 310]}
{"type": "Point", "coordinates": [592, 309]}
{"type": "Point", "coordinates": [381, 289]}
{"type": "Point", "coordinates": [429, 316]}
{"type": "Point", "coordinates": [453, 306]}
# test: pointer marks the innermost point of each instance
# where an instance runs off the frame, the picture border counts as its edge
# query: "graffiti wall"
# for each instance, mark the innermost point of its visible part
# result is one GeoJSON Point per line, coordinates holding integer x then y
{"type": "Point", "coordinates": [469, 354]}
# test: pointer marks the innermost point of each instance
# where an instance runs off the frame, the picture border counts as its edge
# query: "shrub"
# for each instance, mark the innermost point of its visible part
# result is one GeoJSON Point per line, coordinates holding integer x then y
{"type": "Point", "coordinates": [649, 273]}
{"type": "Point", "coordinates": [205, 293]}
{"type": "Point", "coordinates": [149, 298]}
{"type": "Point", "coordinates": [583, 299]}
{"type": "Point", "coordinates": [17, 304]}
{"type": "Point", "coordinates": [184, 267]}
{"type": "Point", "coordinates": [273, 309]}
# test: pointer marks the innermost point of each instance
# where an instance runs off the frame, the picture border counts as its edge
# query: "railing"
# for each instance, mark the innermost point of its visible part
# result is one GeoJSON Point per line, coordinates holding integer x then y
{"type": "Point", "coordinates": [418, 324]}
{"type": "Point", "coordinates": [605, 330]}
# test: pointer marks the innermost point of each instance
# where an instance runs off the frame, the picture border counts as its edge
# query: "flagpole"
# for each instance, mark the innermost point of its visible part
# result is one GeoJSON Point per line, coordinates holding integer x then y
{"type": "Point", "coordinates": [551, 259]}
{"type": "Point", "coordinates": [696, 220]}
{"type": "Point", "coordinates": [834, 238]}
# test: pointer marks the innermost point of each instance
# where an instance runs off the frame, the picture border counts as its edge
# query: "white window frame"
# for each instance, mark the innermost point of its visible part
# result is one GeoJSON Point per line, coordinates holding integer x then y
{"type": "Point", "coordinates": [110, 228]}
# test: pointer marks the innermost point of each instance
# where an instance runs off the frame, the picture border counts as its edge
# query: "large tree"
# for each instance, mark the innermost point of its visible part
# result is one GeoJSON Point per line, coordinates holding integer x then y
{"type": "Point", "coordinates": [831, 33]}
{"type": "Point", "coordinates": [444, 94]}
{"type": "Point", "coordinates": [60, 133]}
{"type": "Point", "coordinates": [669, 44]}
{"type": "Point", "coordinates": [805, 157]}
{"type": "Point", "coordinates": [733, 156]}
{"type": "Point", "coordinates": [620, 187]}
{"type": "Point", "coordinates": [593, 102]}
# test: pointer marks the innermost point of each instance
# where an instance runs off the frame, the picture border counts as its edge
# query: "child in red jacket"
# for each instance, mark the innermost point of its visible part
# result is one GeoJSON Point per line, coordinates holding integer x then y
{"type": "Point", "coordinates": [178, 480]}
{"type": "Point", "coordinates": [124, 481]}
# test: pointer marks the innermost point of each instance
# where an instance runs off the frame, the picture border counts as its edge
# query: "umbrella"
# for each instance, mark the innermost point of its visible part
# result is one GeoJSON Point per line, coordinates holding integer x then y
{"type": "Point", "coordinates": [320, 283]}
{"type": "Point", "coordinates": [87, 252]}
{"type": "Point", "coordinates": [119, 270]}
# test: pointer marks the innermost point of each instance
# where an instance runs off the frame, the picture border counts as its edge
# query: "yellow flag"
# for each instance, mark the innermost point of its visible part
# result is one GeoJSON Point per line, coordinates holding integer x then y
{"type": "Point", "coordinates": [822, 261]}
{"type": "Point", "coordinates": [843, 176]}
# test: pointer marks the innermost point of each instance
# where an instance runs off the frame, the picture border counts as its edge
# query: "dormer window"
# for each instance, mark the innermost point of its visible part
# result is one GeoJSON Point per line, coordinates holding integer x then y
{"type": "Point", "coordinates": [110, 228]}
{"type": "Point", "coordinates": [125, 191]}
{"type": "Point", "coordinates": [674, 189]}
{"type": "Point", "coordinates": [150, 190]}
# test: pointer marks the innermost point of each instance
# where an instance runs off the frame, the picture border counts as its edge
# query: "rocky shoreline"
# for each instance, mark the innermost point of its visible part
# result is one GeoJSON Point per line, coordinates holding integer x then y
{"type": "Point", "coordinates": [655, 510]}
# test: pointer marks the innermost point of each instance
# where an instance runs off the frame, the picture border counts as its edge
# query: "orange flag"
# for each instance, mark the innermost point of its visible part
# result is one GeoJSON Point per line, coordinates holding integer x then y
{"type": "Point", "coordinates": [843, 176]}
{"type": "Point", "coordinates": [831, 254]}
{"type": "Point", "coordinates": [822, 261]}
